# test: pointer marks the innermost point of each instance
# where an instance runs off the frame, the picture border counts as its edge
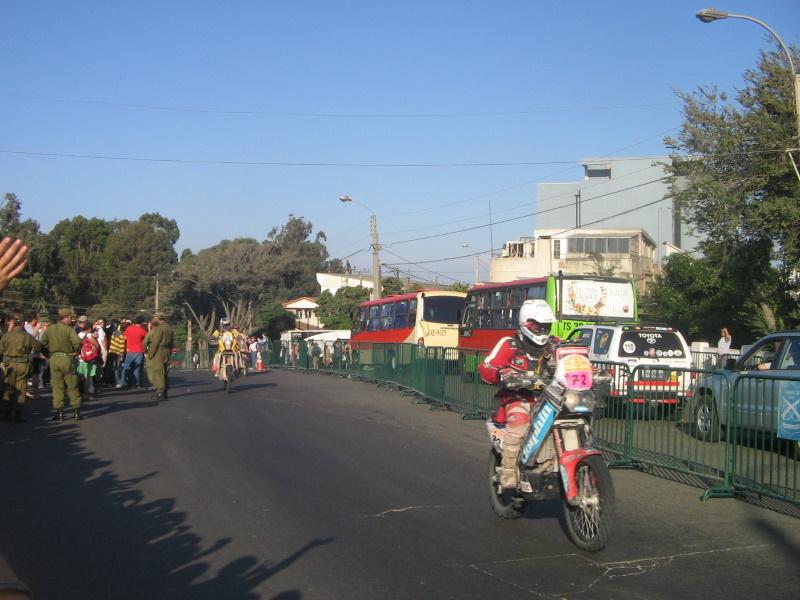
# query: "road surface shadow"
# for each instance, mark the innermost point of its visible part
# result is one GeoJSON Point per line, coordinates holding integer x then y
{"type": "Point", "coordinates": [72, 528]}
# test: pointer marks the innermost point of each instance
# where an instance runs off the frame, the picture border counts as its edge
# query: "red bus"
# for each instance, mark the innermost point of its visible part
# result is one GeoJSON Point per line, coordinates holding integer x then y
{"type": "Point", "coordinates": [492, 309]}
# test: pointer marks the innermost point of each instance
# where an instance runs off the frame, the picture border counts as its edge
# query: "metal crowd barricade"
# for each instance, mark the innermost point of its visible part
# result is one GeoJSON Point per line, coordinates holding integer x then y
{"type": "Point", "coordinates": [760, 461]}
{"type": "Point", "coordinates": [689, 421]}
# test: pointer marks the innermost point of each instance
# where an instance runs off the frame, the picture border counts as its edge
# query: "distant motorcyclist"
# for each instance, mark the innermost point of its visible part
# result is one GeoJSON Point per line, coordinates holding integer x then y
{"type": "Point", "coordinates": [522, 366]}
{"type": "Point", "coordinates": [226, 332]}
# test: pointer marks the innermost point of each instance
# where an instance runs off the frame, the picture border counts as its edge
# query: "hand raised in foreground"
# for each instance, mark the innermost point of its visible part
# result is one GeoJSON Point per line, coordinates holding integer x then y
{"type": "Point", "coordinates": [12, 260]}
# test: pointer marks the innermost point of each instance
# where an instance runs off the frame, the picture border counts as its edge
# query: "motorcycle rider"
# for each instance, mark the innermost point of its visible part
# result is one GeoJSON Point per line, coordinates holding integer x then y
{"type": "Point", "coordinates": [529, 353]}
{"type": "Point", "coordinates": [225, 328]}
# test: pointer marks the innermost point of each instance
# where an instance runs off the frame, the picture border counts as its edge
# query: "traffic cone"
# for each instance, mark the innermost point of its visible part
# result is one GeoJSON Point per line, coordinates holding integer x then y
{"type": "Point", "coordinates": [259, 362]}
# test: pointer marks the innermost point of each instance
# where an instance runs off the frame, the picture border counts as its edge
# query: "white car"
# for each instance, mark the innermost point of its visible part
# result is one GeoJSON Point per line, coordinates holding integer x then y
{"type": "Point", "coordinates": [650, 364]}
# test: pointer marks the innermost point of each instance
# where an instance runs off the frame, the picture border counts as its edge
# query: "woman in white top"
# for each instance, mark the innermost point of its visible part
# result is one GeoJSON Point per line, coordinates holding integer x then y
{"type": "Point", "coordinates": [724, 346]}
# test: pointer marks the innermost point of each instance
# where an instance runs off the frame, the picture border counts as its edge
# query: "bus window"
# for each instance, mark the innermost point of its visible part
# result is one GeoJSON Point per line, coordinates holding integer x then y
{"type": "Point", "coordinates": [402, 308]}
{"type": "Point", "coordinates": [387, 310]}
{"type": "Point", "coordinates": [517, 296]}
{"type": "Point", "coordinates": [412, 310]}
{"type": "Point", "coordinates": [483, 300]}
{"type": "Point", "coordinates": [536, 292]}
{"type": "Point", "coordinates": [387, 322]}
{"type": "Point", "coordinates": [499, 320]}
{"type": "Point", "coordinates": [401, 321]}
{"type": "Point", "coordinates": [361, 320]}
{"type": "Point", "coordinates": [374, 324]}
{"type": "Point", "coordinates": [374, 312]}
{"type": "Point", "coordinates": [442, 309]}
{"type": "Point", "coordinates": [514, 322]}
{"type": "Point", "coordinates": [498, 299]}
{"type": "Point", "coordinates": [469, 315]}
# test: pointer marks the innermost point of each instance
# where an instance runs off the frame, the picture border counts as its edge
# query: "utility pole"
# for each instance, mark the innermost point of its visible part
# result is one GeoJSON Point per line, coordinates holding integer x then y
{"type": "Point", "coordinates": [477, 268]}
{"type": "Point", "coordinates": [156, 308]}
{"type": "Point", "coordinates": [578, 210]}
{"type": "Point", "coordinates": [187, 358]}
{"type": "Point", "coordinates": [376, 258]}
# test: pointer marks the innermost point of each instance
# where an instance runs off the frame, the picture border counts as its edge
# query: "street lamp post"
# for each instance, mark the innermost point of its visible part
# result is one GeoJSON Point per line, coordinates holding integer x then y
{"type": "Point", "coordinates": [376, 248]}
{"type": "Point", "coordinates": [660, 249]}
{"type": "Point", "coordinates": [707, 15]}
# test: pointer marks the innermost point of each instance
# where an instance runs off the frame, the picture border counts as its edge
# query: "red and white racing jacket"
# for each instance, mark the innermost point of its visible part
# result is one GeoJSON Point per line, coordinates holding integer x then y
{"type": "Point", "coordinates": [509, 354]}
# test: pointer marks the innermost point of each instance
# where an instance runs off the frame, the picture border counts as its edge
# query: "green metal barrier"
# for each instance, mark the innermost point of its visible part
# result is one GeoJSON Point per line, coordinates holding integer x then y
{"type": "Point", "coordinates": [759, 460]}
{"type": "Point", "coordinates": [690, 421]}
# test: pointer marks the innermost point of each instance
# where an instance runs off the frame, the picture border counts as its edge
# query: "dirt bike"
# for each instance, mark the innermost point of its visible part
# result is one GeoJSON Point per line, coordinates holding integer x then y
{"type": "Point", "coordinates": [557, 459]}
{"type": "Point", "coordinates": [226, 361]}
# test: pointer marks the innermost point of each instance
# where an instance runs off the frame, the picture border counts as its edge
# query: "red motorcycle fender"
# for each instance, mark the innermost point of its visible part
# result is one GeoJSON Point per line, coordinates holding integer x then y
{"type": "Point", "coordinates": [567, 464]}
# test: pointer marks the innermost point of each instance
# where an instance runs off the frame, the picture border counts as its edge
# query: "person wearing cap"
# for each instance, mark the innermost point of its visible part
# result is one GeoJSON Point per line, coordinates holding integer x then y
{"type": "Point", "coordinates": [61, 344]}
{"type": "Point", "coordinates": [16, 347]}
{"type": "Point", "coordinates": [158, 348]}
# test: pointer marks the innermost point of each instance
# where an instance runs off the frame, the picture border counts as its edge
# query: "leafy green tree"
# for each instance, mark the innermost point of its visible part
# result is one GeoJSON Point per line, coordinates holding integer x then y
{"type": "Point", "coordinates": [135, 254]}
{"type": "Point", "coordinates": [236, 278]}
{"type": "Point", "coordinates": [734, 182]}
{"type": "Point", "coordinates": [458, 287]}
{"type": "Point", "coordinates": [336, 311]}
{"type": "Point", "coordinates": [274, 319]}
{"type": "Point", "coordinates": [392, 285]}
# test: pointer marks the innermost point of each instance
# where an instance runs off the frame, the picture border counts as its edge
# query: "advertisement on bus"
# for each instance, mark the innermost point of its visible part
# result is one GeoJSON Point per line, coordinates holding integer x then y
{"type": "Point", "coordinates": [610, 300]}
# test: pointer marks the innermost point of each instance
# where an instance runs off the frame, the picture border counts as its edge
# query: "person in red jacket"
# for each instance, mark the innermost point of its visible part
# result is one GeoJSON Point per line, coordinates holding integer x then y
{"type": "Point", "coordinates": [528, 353]}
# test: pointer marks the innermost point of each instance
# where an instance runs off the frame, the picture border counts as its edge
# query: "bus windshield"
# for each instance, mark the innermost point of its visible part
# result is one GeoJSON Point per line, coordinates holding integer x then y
{"type": "Point", "coordinates": [442, 309]}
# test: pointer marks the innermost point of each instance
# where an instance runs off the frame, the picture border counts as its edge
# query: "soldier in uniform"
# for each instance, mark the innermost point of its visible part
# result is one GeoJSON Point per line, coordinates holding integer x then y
{"type": "Point", "coordinates": [158, 348]}
{"type": "Point", "coordinates": [16, 347]}
{"type": "Point", "coordinates": [61, 344]}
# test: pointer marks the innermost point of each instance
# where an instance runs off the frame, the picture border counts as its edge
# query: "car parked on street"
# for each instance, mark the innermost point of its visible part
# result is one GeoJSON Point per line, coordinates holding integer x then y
{"type": "Point", "coordinates": [767, 367]}
{"type": "Point", "coordinates": [650, 363]}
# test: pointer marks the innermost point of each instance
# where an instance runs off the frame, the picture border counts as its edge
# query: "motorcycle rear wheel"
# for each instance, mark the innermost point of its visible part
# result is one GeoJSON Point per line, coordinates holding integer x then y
{"type": "Point", "coordinates": [505, 503]}
{"type": "Point", "coordinates": [589, 523]}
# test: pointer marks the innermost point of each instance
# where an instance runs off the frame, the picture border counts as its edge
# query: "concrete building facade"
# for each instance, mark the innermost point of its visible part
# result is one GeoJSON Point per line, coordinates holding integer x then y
{"type": "Point", "coordinates": [618, 193]}
{"type": "Point", "coordinates": [623, 252]}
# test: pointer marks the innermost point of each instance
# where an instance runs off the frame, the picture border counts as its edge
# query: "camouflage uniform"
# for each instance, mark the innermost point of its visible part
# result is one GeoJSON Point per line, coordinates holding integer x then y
{"type": "Point", "coordinates": [62, 344]}
{"type": "Point", "coordinates": [158, 345]}
{"type": "Point", "coordinates": [16, 347]}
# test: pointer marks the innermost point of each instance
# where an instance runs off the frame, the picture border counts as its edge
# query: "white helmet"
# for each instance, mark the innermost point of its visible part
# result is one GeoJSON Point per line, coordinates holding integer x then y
{"type": "Point", "coordinates": [223, 322]}
{"type": "Point", "coordinates": [535, 318]}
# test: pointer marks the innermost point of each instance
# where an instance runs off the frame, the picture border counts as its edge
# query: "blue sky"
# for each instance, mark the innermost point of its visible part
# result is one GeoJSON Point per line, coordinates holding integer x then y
{"type": "Point", "coordinates": [401, 105]}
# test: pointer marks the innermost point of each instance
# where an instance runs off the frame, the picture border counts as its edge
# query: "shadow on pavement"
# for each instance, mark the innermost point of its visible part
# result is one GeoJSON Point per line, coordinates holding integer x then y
{"type": "Point", "coordinates": [72, 528]}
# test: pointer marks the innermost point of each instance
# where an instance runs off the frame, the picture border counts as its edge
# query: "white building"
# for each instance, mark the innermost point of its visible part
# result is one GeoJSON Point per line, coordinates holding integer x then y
{"type": "Point", "coordinates": [629, 252]}
{"type": "Point", "coordinates": [619, 193]}
{"type": "Point", "coordinates": [332, 282]}
{"type": "Point", "coordinates": [304, 310]}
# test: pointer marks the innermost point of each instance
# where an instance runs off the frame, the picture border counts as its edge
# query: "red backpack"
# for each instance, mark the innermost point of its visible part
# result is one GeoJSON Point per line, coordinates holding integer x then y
{"type": "Point", "coordinates": [89, 351]}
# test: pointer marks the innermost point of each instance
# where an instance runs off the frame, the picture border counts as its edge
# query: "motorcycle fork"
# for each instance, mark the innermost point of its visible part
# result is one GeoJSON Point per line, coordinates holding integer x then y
{"type": "Point", "coordinates": [568, 461]}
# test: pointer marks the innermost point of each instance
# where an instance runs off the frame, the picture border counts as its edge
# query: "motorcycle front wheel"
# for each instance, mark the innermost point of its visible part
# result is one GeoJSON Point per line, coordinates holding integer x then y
{"type": "Point", "coordinates": [589, 522]}
{"type": "Point", "coordinates": [505, 503]}
{"type": "Point", "coordinates": [228, 378]}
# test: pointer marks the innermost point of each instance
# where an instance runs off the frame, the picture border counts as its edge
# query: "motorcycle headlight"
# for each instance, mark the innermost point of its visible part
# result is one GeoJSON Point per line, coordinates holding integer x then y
{"type": "Point", "coordinates": [579, 401]}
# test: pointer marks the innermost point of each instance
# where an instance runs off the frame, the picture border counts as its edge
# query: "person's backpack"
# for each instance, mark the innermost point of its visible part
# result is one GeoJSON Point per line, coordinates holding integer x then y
{"type": "Point", "coordinates": [315, 351]}
{"type": "Point", "coordinates": [89, 351]}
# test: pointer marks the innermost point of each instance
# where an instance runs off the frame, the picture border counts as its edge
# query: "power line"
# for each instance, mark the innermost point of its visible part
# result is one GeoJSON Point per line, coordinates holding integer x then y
{"type": "Point", "coordinates": [619, 214]}
{"type": "Point", "coordinates": [427, 237]}
{"type": "Point", "coordinates": [256, 163]}
{"type": "Point", "coordinates": [423, 268]}
{"type": "Point", "coordinates": [156, 107]}
{"type": "Point", "coordinates": [505, 210]}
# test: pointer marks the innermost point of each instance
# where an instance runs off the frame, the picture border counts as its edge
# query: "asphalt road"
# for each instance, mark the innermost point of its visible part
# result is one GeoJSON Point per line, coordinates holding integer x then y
{"type": "Point", "coordinates": [309, 486]}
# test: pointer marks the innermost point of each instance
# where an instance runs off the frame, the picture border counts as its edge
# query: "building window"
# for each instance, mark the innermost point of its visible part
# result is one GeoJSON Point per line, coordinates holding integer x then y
{"type": "Point", "coordinates": [557, 249]}
{"type": "Point", "coordinates": [597, 171]}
